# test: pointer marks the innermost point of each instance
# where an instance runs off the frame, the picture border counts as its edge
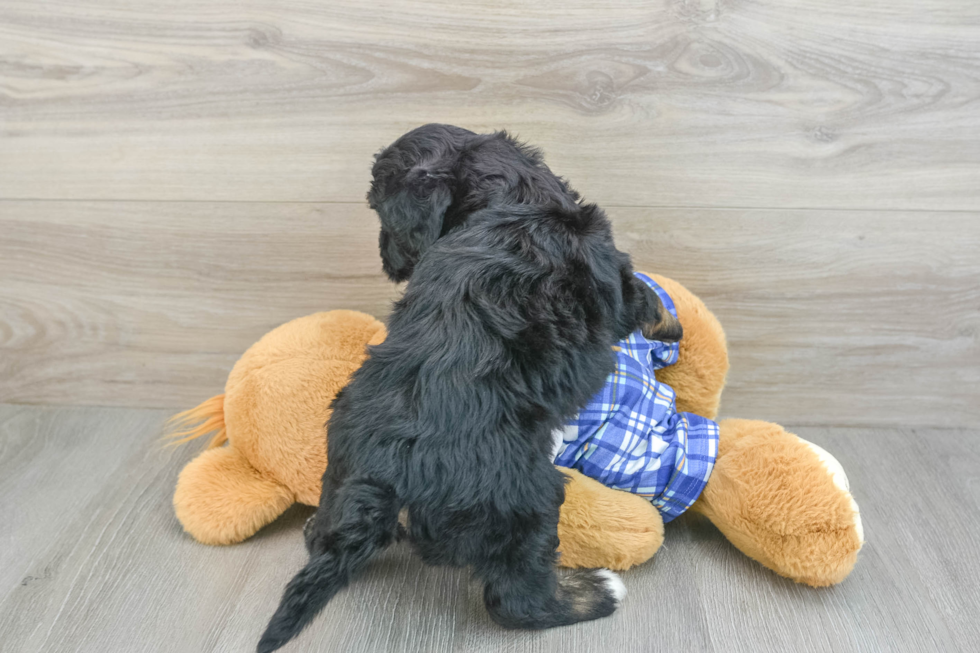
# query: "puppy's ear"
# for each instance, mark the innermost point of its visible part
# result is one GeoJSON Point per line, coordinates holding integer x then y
{"type": "Point", "coordinates": [412, 213]}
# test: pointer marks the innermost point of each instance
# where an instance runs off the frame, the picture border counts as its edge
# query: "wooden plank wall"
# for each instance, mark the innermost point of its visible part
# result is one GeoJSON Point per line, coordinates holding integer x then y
{"type": "Point", "coordinates": [178, 177]}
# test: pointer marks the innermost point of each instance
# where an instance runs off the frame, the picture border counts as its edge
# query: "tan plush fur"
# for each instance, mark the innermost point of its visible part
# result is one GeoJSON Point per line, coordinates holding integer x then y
{"type": "Point", "coordinates": [272, 414]}
{"type": "Point", "coordinates": [776, 503]}
{"type": "Point", "coordinates": [699, 375]}
{"type": "Point", "coordinates": [222, 499]}
{"type": "Point", "coordinates": [769, 493]}
{"type": "Point", "coordinates": [206, 417]}
{"type": "Point", "coordinates": [284, 384]}
{"type": "Point", "coordinates": [600, 527]}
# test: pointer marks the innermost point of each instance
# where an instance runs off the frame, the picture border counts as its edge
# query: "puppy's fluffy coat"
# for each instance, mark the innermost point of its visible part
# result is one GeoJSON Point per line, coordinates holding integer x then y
{"type": "Point", "coordinates": [516, 293]}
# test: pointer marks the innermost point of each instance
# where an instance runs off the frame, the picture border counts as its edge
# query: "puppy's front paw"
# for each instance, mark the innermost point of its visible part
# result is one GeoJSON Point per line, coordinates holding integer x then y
{"type": "Point", "coordinates": [667, 329]}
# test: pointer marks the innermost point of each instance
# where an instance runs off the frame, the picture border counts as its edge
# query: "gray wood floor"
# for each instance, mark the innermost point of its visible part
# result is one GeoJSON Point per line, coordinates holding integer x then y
{"type": "Point", "coordinates": [92, 559]}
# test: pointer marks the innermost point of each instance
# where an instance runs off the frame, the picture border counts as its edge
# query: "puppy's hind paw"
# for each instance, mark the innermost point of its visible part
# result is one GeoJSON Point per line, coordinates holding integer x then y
{"type": "Point", "coordinates": [592, 593]}
{"type": "Point", "coordinates": [613, 584]}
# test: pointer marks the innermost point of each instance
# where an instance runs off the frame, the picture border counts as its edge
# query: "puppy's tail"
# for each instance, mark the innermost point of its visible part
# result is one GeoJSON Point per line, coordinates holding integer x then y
{"type": "Point", "coordinates": [367, 523]}
{"type": "Point", "coordinates": [307, 593]}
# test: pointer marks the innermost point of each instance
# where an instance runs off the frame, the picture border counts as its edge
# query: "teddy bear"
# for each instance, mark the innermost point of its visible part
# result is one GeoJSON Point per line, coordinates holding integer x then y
{"type": "Point", "coordinates": [779, 499]}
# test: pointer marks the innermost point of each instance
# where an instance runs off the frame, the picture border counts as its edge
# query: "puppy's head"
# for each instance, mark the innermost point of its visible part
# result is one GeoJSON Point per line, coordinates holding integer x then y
{"type": "Point", "coordinates": [430, 181]}
{"type": "Point", "coordinates": [413, 184]}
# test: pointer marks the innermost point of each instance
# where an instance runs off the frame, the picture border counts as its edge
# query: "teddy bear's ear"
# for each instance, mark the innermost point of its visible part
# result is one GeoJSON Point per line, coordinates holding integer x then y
{"type": "Point", "coordinates": [221, 499]}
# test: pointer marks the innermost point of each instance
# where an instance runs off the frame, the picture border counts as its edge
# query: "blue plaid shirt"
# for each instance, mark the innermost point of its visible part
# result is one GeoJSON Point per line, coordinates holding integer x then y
{"type": "Point", "coordinates": [630, 435]}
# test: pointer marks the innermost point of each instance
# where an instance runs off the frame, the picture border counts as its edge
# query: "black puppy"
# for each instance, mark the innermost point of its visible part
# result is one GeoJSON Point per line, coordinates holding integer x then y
{"type": "Point", "coordinates": [503, 333]}
{"type": "Point", "coordinates": [428, 182]}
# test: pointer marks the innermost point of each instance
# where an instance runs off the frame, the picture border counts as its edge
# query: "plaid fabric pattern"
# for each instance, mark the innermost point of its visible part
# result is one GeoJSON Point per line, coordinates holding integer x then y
{"type": "Point", "coordinates": [630, 435]}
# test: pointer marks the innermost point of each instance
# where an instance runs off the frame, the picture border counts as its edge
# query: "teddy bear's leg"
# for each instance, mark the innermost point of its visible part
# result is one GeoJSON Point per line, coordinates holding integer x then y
{"type": "Point", "coordinates": [221, 499]}
{"type": "Point", "coordinates": [698, 377]}
{"type": "Point", "coordinates": [783, 502]}
{"type": "Point", "coordinates": [602, 527]}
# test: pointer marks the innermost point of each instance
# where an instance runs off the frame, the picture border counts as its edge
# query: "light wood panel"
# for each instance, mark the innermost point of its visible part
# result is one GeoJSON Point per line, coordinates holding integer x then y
{"type": "Point", "coordinates": [833, 317]}
{"type": "Point", "coordinates": [843, 318]}
{"type": "Point", "coordinates": [108, 568]}
{"type": "Point", "coordinates": [640, 102]}
{"type": "Point", "coordinates": [151, 304]}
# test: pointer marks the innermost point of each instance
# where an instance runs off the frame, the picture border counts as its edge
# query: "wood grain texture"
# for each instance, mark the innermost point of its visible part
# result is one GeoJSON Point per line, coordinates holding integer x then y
{"type": "Point", "coordinates": [837, 318]}
{"type": "Point", "coordinates": [151, 304]}
{"type": "Point", "coordinates": [107, 568]}
{"type": "Point", "coordinates": [809, 104]}
{"type": "Point", "coordinates": [833, 317]}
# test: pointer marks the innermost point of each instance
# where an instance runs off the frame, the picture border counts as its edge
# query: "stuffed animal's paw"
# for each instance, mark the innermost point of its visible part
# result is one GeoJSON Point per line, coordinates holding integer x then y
{"type": "Point", "coordinates": [221, 499]}
{"type": "Point", "coordinates": [836, 472]}
{"type": "Point", "coordinates": [783, 502]}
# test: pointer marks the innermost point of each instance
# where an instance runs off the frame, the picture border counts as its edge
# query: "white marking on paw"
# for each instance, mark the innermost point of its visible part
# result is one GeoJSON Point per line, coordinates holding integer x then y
{"type": "Point", "coordinates": [614, 585]}
{"type": "Point", "coordinates": [840, 480]}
